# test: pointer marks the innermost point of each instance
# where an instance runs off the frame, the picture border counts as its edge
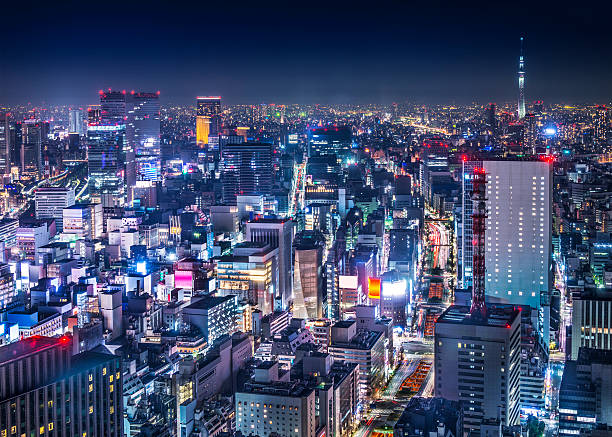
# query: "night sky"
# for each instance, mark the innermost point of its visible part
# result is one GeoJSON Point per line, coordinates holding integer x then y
{"type": "Point", "coordinates": [294, 52]}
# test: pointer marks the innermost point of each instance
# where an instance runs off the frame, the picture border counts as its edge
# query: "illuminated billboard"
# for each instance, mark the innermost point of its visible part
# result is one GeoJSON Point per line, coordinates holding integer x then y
{"type": "Point", "coordinates": [183, 279]}
{"type": "Point", "coordinates": [347, 281]}
{"type": "Point", "coordinates": [394, 288]}
{"type": "Point", "coordinates": [374, 288]}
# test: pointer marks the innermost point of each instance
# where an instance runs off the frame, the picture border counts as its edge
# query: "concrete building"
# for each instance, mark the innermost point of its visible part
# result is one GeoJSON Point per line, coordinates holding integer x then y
{"type": "Point", "coordinates": [477, 362]}
{"type": "Point", "coordinates": [337, 393]}
{"type": "Point", "coordinates": [30, 238]}
{"type": "Point", "coordinates": [8, 232]}
{"type": "Point", "coordinates": [42, 374]}
{"type": "Point", "coordinates": [591, 321]}
{"type": "Point", "coordinates": [279, 234]}
{"type": "Point", "coordinates": [84, 220]}
{"type": "Point", "coordinates": [214, 316]}
{"type": "Point", "coordinates": [51, 201]}
{"type": "Point", "coordinates": [270, 403]}
{"type": "Point", "coordinates": [585, 396]}
{"type": "Point", "coordinates": [251, 274]}
{"type": "Point", "coordinates": [112, 312]}
{"type": "Point", "coordinates": [427, 416]}
{"type": "Point", "coordinates": [308, 287]}
{"type": "Point", "coordinates": [366, 348]}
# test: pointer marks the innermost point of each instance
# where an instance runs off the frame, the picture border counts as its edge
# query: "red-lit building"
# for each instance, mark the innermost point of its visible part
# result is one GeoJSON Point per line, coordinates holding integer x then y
{"type": "Point", "coordinates": [45, 390]}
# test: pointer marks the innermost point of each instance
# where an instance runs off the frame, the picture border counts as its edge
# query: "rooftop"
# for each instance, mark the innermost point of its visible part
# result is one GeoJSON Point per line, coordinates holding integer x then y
{"type": "Point", "coordinates": [501, 317]}
{"type": "Point", "coordinates": [208, 302]}
{"type": "Point", "coordinates": [269, 220]}
{"type": "Point", "coordinates": [28, 346]}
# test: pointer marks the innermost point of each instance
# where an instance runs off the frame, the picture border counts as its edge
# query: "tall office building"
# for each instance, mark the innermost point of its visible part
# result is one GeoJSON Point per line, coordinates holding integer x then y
{"type": "Point", "coordinates": [143, 137]}
{"type": "Point", "coordinates": [600, 124]}
{"type": "Point", "coordinates": [278, 233]}
{"type": "Point", "coordinates": [76, 124]}
{"type": "Point", "coordinates": [518, 230]}
{"type": "Point", "coordinates": [112, 108]}
{"type": "Point", "coordinates": [94, 116]}
{"type": "Point", "coordinates": [394, 297]}
{"type": "Point", "coordinates": [330, 141]}
{"type": "Point", "coordinates": [33, 134]}
{"type": "Point", "coordinates": [521, 84]}
{"type": "Point", "coordinates": [591, 322]}
{"type": "Point", "coordinates": [491, 118]}
{"type": "Point", "coordinates": [208, 118]}
{"type": "Point", "coordinates": [477, 362]}
{"type": "Point", "coordinates": [106, 147]}
{"type": "Point", "coordinates": [51, 201]}
{"type": "Point", "coordinates": [308, 299]}
{"type": "Point", "coordinates": [9, 295]}
{"type": "Point", "coordinates": [246, 170]}
{"type": "Point", "coordinates": [5, 144]}
{"type": "Point", "coordinates": [530, 132]}
{"type": "Point", "coordinates": [106, 161]}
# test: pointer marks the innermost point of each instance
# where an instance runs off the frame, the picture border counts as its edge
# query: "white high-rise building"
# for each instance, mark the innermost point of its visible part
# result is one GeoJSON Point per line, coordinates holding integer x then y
{"type": "Point", "coordinates": [76, 124]}
{"type": "Point", "coordinates": [51, 201]}
{"type": "Point", "coordinates": [518, 232]}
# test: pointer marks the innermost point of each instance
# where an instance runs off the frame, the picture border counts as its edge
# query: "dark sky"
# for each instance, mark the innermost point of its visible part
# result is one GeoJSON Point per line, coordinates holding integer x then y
{"type": "Point", "coordinates": [294, 52]}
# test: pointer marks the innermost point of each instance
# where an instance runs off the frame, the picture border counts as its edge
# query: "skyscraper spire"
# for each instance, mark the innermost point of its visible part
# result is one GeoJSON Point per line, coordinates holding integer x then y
{"type": "Point", "coordinates": [521, 84]}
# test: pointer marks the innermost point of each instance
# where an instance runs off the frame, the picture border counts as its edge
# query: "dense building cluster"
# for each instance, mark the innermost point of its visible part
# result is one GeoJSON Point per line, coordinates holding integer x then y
{"type": "Point", "coordinates": [296, 270]}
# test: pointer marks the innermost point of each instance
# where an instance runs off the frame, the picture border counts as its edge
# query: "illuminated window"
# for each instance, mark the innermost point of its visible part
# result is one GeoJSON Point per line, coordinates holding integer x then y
{"type": "Point", "coordinates": [90, 388]}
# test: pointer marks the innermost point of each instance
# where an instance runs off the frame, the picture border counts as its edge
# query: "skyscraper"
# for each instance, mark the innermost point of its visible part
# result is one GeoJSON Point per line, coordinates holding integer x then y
{"type": "Point", "coordinates": [477, 362]}
{"type": "Point", "coordinates": [106, 147]}
{"type": "Point", "coordinates": [330, 141]}
{"type": "Point", "coordinates": [521, 83]}
{"type": "Point", "coordinates": [112, 108]}
{"type": "Point", "coordinates": [518, 233]}
{"type": "Point", "coordinates": [106, 161]}
{"type": "Point", "coordinates": [143, 136]}
{"type": "Point", "coordinates": [5, 144]}
{"type": "Point", "coordinates": [208, 118]}
{"type": "Point", "coordinates": [246, 170]}
{"type": "Point", "coordinates": [600, 124]}
{"type": "Point", "coordinates": [33, 134]}
{"type": "Point", "coordinates": [75, 121]}
{"type": "Point", "coordinates": [530, 132]}
{"type": "Point", "coordinates": [492, 118]}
